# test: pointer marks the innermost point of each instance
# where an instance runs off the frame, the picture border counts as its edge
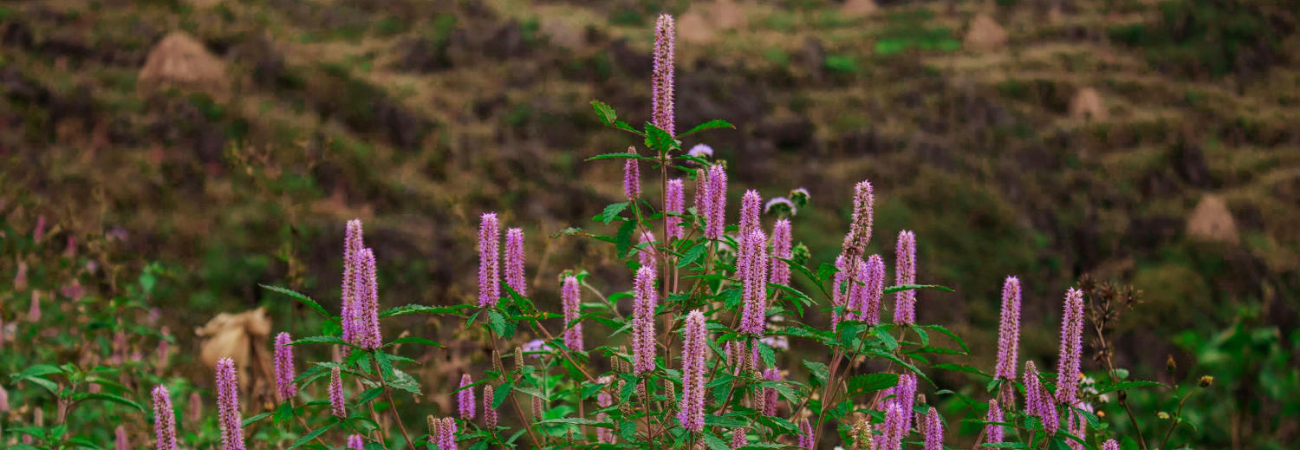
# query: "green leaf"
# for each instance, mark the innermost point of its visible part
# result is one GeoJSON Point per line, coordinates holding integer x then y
{"type": "Point", "coordinates": [313, 434]}
{"type": "Point", "coordinates": [623, 155]}
{"type": "Point", "coordinates": [254, 419]}
{"type": "Point", "coordinates": [961, 368]}
{"type": "Point", "coordinates": [623, 240]}
{"type": "Point", "coordinates": [953, 336]}
{"type": "Point", "coordinates": [658, 139]}
{"type": "Point", "coordinates": [422, 309]}
{"type": "Point", "coordinates": [369, 394]}
{"type": "Point", "coordinates": [819, 372]}
{"type": "Point", "coordinates": [404, 381]}
{"type": "Point", "coordinates": [693, 254]}
{"type": "Point", "coordinates": [321, 340]}
{"type": "Point", "coordinates": [414, 340]}
{"type": "Point", "coordinates": [498, 324]}
{"type": "Point", "coordinates": [710, 125]}
{"type": "Point", "coordinates": [38, 370]}
{"type": "Point", "coordinates": [912, 287]}
{"type": "Point", "coordinates": [715, 420]}
{"type": "Point", "coordinates": [1126, 385]}
{"type": "Point", "coordinates": [115, 399]}
{"type": "Point", "coordinates": [714, 442]}
{"type": "Point", "coordinates": [305, 300]}
{"type": "Point", "coordinates": [605, 112]}
{"type": "Point", "coordinates": [570, 421]}
{"type": "Point", "coordinates": [501, 393]}
{"type": "Point", "coordinates": [612, 211]}
{"type": "Point", "coordinates": [871, 382]}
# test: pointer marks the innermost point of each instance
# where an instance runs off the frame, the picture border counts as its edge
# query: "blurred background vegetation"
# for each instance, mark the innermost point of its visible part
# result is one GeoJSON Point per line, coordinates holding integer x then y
{"type": "Point", "coordinates": [223, 143]}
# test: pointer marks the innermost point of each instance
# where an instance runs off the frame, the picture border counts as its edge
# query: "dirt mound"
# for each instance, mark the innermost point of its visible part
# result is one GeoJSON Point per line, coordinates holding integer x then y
{"type": "Point", "coordinates": [182, 62]}
{"type": "Point", "coordinates": [1087, 105]}
{"type": "Point", "coordinates": [985, 33]}
{"type": "Point", "coordinates": [1212, 222]}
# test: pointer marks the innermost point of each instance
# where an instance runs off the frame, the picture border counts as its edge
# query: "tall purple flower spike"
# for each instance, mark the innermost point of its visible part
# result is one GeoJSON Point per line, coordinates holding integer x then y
{"type": "Point", "coordinates": [841, 289]}
{"type": "Point", "coordinates": [1009, 330]}
{"type": "Point", "coordinates": [750, 206]}
{"type": "Point", "coordinates": [806, 439]}
{"type": "Point", "coordinates": [1077, 427]}
{"type": "Point", "coordinates": [571, 299]}
{"type": "Point", "coordinates": [753, 270]}
{"type": "Point", "coordinates": [663, 75]}
{"type": "Point", "coordinates": [855, 243]}
{"type": "Point", "coordinates": [489, 281]}
{"type": "Point", "coordinates": [352, 245]}
{"type": "Point", "coordinates": [356, 443]}
{"type": "Point", "coordinates": [121, 443]}
{"type": "Point", "coordinates": [515, 261]}
{"type": "Point", "coordinates": [1067, 369]}
{"type": "Point", "coordinates": [489, 413]}
{"type": "Point", "coordinates": [993, 434]}
{"type": "Point", "coordinates": [781, 250]}
{"type": "Point", "coordinates": [895, 427]}
{"type": "Point", "coordinates": [1038, 402]}
{"type": "Point", "coordinates": [694, 350]}
{"type": "Point", "coordinates": [632, 176]}
{"type": "Point", "coordinates": [604, 400]}
{"type": "Point", "coordinates": [905, 395]}
{"type": "Point", "coordinates": [703, 194]}
{"type": "Point", "coordinates": [717, 217]}
{"type": "Point", "coordinates": [905, 273]}
{"type": "Point", "coordinates": [873, 290]}
{"type": "Point", "coordinates": [232, 431]}
{"type": "Point", "coordinates": [643, 321]}
{"type": "Point", "coordinates": [1110, 445]}
{"type": "Point", "coordinates": [164, 421]}
{"type": "Point", "coordinates": [365, 302]}
{"type": "Point", "coordinates": [738, 438]}
{"type": "Point", "coordinates": [770, 397]}
{"type": "Point", "coordinates": [284, 372]}
{"type": "Point", "coordinates": [447, 434]}
{"type": "Point", "coordinates": [465, 398]}
{"type": "Point", "coordinates": [674, 203]}
{"type": "Point", "coordinates": [336, 394]}
{"type": "Point", "coordinates": [933, 430]}
{"type": "Point", "coordinates": [646, 254]}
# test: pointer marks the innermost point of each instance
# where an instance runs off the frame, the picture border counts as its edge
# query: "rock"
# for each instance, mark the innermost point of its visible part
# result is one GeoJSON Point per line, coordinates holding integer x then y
{"type": "Point", "coordinates": [241, 337]}
{"type": "Point", "coordinates": [694, 29]}
{"type": "Point", "coordinates": [181, 62]}
{"type": "Point", "coordinates": [985, 33]}
{"type": "Point", "coordinates": [1087, 105]}
{"type": "Point", "coordinates": [1212, 222]}
{"type": "Point", "coordinates": [858, 8]}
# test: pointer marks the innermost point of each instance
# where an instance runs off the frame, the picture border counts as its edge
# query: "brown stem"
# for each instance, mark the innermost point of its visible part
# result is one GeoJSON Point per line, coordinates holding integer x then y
{"type": "Point", "coordinates": [514, 401]}
{"type": "Point", "coordinates": [391, 404]}
{"type": "Point", "coordinates": [303, 423]}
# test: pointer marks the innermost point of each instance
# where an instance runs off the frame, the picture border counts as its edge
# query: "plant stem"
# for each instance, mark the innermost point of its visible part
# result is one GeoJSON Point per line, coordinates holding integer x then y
{"type": "Point", "coordinates": [388, 394]}
{"type": "Point", "coordinates": [514, 401]}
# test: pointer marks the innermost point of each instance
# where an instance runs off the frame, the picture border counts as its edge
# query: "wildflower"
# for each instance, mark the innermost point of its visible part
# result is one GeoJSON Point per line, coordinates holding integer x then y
{"type": "Point", "coordinates": [538, 408]}
{"type": "Point", "coordinates": [855, 243]}
{"type": "Point", "coordinates": [738, 438]}
{"type": "Point", "coordinates": [753, 271]}
{"type": "Point", "coordinates": [34, 312]}
{"type": "Point", "coordinates": [717, 208]}
{"type": "Point", "coordinates": [780, 272]}
{"type": "Point", "coordinates": [515, 261]}
{"type": "Point", "coordinates": [663, 75]}
{"type": "Point", "coordinates": [447, 434]}
{"type": "Point", "coordinates": [1009, 332]}
{"type": "Point", "coordinates": [632, 175]}
{"type": "Point", "coordinates": [867, 290]}
{"type": "Point", "coordinates": [905, 395]}
{"type": "Point", "coordinates": [840, 289]}
{"type": "Point", "coordinates": [120, 443]}
{"type": "Point", "coordinates": [336, 394]}
{"type": "Point", "coordinates": [643, 321]}
{"type": "Point", "coordinates": [1110, 445]}
{"type": "Point", "coordinates": [605, 399]}
{"type": "Point", "coordinates": [284, 372]}
{"type": "Point", "coordinates": [365, 302]}
{"type": "Point", "coordinates": [646, 253]}
{"type": "Point", "coordinates": [933, 430]}
{"type": "Point", "coordinates": [1038, 402]}
{"type": "Point", "coordinates": [20, 278]}
{"type": "Point", "coordinates": [806, 438]}
{"type": "Point", "coordinates": [993, 433]}
{"type": "Point", "coordinates": [4, 400]}
{"type": "Point", "coordinates": [1067, 369]}
{"type": "Point", "coordinates": [779, 342]}
{"type": "Point", "coordinates": [465, 398]}
{"type": "Point", "coordinates": [196, 407]}
{"type": "Point", "coordinates": [355, 442]}
{"type": "Point", "coordinates": [38, 233]}
{"type": "Point", "coordinates": [489, 284]}
{"type": "Point", "coordinates": [674, 205]}
{"type": "Point", "coordinates": [536, 347]}
{"type": "Point", "coordinates": [352, 245]}
{"type": "Point", "coordinates": [694, 348]}
{"type": "Point", "coordinates": [489, 413]}
{"type": "Point", "coordinates": [164, 419]}
{"type": "Point", "coordinates": [905, 273]}
{"type": "Point", "coordinates": [749, 218]}
{"type": "Point", "coordinates": [770, 398]}
{"type": "Point", "coordinates": [896, 427]}
{"type": "Point", "coordinates": [571, 300]}
{"type": "Point", "coordinates": [232, 431]}
{"type": "Point", "coordinates": [701, 151]}
{"type": "Point", "coordinates": [863, 436]}
{"type": "Point", "coordinates": [1078, 427]}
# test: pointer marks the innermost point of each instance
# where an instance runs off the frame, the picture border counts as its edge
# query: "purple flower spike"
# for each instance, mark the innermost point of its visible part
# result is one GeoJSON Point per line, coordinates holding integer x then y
{"type": "Point", "coordinates": [604, 400]}
{"type": "Point", "coordinates": [1009, 331]}
{"type": "Point", "coordinates": [632, 176]}
{"type": "Point", "coordinates": [356, 443]}
{"type": "Point", "coordinates": [643, 321]}
{"type": "Point", "coordinates": [465, 398]}
{"type": "Point", "coordinates": [933, 431]}
{"type": "Point", "coordinates": [717, 217]}
{"type": "Point", "coordinates": [447, 434]}
{"type": "Point", "coordinates": [571, 299]}
{"type": "Point", "coordinates": [905, 395]}
{"type": "Point", "coordinates": [780, 272]}
{"type": "Point", "coordinates": [120, 443]}
{"type": "Point", "coordinates": [352, 245]}
{"type": "Point", "coordinates": [806, 439]}
{"type": "Point", "coordinates": [646, 255]}
{"type": "Point", "coordinates": [749, 209]}
{"type": "Point", "coordinates": [701, 151]}
{"type": "Point", "coordinates": [489, 413]}
{"type": "Point", "coordinates": [489, 281]}
{"type": "Point", "coordinates": [895, 427]}
{"type": "Point", "coordinates": [232, 431]}
{"type": "Point", "coordinates": [752, 269]}
{"type": "Point", "coordinates": [366, 302]}
{"type": "Point", "coordinates": [1067, 369]}
{"type": "Point", "coordinates": [34, 312]}
{"type": "Point", "coordinates": [694, 350]}
{"type": "Point", "coordinates": [873, 290]}
{"type": "Point", "coordinates": [1110, 445]}
{"type": "Point", "coordinates": [284, 372]}
{"type": "Point", "coordinates": [993, 433]}
{"type": "Point", "coordinates": [905, 273]}
{"type": "Point", "coordinates": [855, 243]}
{"type": "Point", "coordinates": [674, 203]}
{"type": "Point", "coordinates": [336, 394]}
{"type": "Point", "coordinates": [840, 290]}
{"type": "Point", "coordinates": [515, 261]}
{"type": "Point", "coordinates": [663, 75]}
{"type": "Point", "coordinates": [1038, 402]}
{"type": "Point", "coordinates": [703, 194]}
{"type": "Point", "coordinates": [738, 438]}
{"type": "Point", "coordinates": [1077, 427]}
{"type": "Point", "coordinates": [770, 397]}
{"type": "Point", "coordinates": [164, 418]}
{"type": "Point", "coordinates": [4, 400]}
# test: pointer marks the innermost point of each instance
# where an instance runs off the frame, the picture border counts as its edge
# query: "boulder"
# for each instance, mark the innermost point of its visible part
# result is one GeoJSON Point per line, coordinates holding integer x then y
{"type": "Point", "coordinates": [984, 33]}
{"type": "Point", "coordinates": [1211, 221]}
{"type": "Point", "coordinates": [179, 61]}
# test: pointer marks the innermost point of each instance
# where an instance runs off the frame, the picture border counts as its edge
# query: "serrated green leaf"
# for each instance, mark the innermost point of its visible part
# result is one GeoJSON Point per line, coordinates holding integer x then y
{"type": "Point", "coordinates": [414, 340]}
{"type": "Point", "coordinates": [714, 442]}
{"type": "Point", "coordinates": [872, 382]}
{"type": "Point", "coordinates": [254, 419]}
{"type": "Point", "coordinates": [313, 434]}
{"type": "Point", "coordinates": [710, 125]}
{"type": "Point", "coordinates": [1126, 385]}
{"type": "Point", "coordinates": [659, 140]}
{"type": "Point", "coordinates": [623, 240]}
{"type": "Point", "coordinates": [115, 399]}
{"type": "Point", "coordinates": [422, 309]}
{"type": "Point", "coordinates": [321, 340]}
{"type": "Point", "coordinates": [692, 254]}
{"type": "Point", "coordinates": [605, 112]}
{"type": "Point", "coordinates": [369, 394]}
{"type": "Point", "coordinates": [819, 372]}
{"type": "Point", "coordinates": [961, 368]}
{"type": "Point", "coordinates": [305, 300]}
{"type": "Point", "coordinates": [612, 211]}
